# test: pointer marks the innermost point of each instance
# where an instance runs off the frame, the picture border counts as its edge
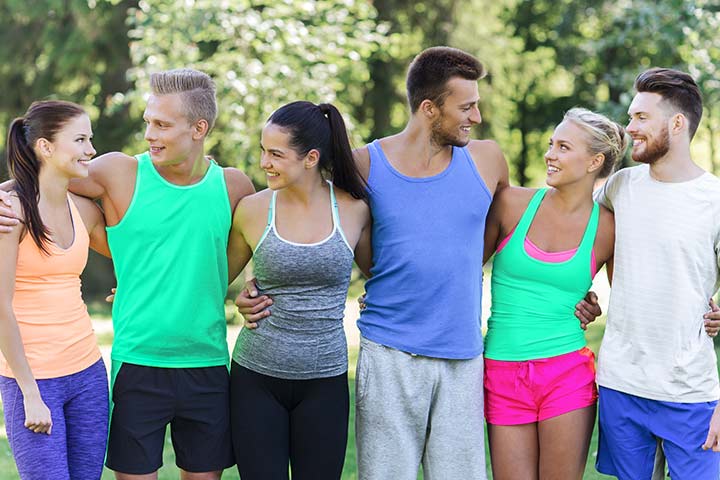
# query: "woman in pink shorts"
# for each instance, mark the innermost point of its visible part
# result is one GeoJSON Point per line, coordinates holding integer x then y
{"type": "Point", "coordinates": [548, 243]}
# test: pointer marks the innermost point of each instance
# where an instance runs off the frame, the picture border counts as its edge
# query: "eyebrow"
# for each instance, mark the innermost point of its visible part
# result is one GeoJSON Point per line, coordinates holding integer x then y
{"type": "Point", "coordinates": [560, 140]}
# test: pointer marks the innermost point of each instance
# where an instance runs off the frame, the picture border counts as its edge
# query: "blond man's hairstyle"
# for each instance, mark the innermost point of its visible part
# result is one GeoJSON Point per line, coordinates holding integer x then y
{"type": "Point", "coordinates": [197, 90]}
{"type": "Point", "coordinates": [604, 136]}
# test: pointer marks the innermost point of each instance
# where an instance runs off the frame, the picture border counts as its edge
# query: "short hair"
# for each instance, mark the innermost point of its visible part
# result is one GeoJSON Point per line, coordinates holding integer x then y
{"type": "Point", "coordinates": [677, 89]}
{"type": "Point", "coordinates": [197, 90]}
{"type": "Point", "coordinates": [604, 136]}
{"type": "Point", "coordinates": [431, 69]}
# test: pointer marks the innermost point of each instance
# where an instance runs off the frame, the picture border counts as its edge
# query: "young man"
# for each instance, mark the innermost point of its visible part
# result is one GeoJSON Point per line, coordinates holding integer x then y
{"type": "Point", "coordinates": [657, 368]}
{"type": "Point", "coordinates": [169, 213]}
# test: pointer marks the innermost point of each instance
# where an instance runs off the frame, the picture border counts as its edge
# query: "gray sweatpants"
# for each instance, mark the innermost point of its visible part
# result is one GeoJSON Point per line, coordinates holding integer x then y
{"type": "Point", "coordinates": [412, 409]}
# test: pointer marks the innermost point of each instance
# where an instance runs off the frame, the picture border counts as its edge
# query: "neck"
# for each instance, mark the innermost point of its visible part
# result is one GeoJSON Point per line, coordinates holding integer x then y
{"type": "Point", "coordinates": [186, 172]}
{"type": "Point", "coordinates": [675, 166]}
{"type": "Point", "coordinates": [305, 191]}
{"type": "Point", "coordinates": [53, 186]}
{"type": "Point", "coordinates": [418, 142]}
{"type": "Point", "coordinates": [573, 197]}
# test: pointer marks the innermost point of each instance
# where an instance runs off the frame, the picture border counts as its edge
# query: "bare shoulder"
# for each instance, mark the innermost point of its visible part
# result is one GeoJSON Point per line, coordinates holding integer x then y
{"type": "Point", "coordinates": [490, 163]}
{"type": "Point", "coordinates": [89, 210]}
{"type": "Point", "coordinates": [362, 161]}
{"type": "Point", "coordinates": [255, 202]}
{"type": "Point", "coordinates": [606, 222]}
{"type": "Point", "coordinates": [112, 162]}
{"type": "Point", "coordinates": [238, 185]}
{"type": "Point", "coordinates": [349, 203]}
{"type": "Point", "coordinates": [514, 198]}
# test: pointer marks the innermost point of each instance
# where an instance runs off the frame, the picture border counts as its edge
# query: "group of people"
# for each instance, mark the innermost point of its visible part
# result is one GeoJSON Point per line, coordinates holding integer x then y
{"type": "Point", "coordinates": [419, 212]}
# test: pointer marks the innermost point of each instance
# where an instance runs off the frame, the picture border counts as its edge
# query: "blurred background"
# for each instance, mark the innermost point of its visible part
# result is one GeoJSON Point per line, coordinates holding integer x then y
{"type": "Point", "coordinates": [543, 57]}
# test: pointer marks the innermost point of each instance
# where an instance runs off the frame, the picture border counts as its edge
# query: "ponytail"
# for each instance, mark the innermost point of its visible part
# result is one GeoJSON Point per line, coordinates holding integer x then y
{"type": "Point", "coordinates": [43, 119]}
{"type": "Point", "coordinates": [322, 127]}
{"type": "Point", "coordinates": [24, 167]}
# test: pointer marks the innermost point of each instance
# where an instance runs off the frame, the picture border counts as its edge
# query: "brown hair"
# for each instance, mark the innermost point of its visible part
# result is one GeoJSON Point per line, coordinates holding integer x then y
{"type": "Point", "coordinates": [42, 120]}
{"type": "Point", "coordinates": [678, 89]}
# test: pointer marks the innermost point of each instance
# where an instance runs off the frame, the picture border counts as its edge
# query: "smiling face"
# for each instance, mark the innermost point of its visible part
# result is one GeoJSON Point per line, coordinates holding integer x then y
{"type": "Point", "coordinates": [568, 157]}
{"type": "Point", "coordinates": [458, 114]}
{"type": "Point", "coordinates": [71, 150]}
{"type": "Point", "coordinates": [283, 166]}
{"type": "Point", "coordinates": [169, 134]}
{"type": "Point", "coordinates": [648, 128]}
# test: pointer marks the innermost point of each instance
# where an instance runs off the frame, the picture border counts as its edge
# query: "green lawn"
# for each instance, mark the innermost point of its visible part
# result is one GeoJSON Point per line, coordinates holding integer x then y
{"type": "Point", "coordinates": [169, 470]}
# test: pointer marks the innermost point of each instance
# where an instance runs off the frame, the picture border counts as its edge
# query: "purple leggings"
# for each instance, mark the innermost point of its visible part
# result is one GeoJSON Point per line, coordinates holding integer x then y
{"type": "Point", "coordinates": [78, 405]}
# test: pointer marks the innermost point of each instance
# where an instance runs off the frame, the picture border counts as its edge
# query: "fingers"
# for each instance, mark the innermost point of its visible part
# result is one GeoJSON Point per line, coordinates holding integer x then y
{"type": "Point", "coordinates": [592, 298]}
{"type": "Point", "coordinates": [712, 319]}
{"type": "Point", "coordinates": [712, 442]}
{"type": "Point", "coordinates": [8, 218]}
{"type": "Point", "coordinates": [712, 327]}
{"type": "Point", "coordinates": [39, 426]}
{"type": "Point", "coordinates": [361, 302]}
{"type": "Point", "coordinates": [252, 307]}
{"type": "Point", "coordinates": [251, 287]}
{"type": "Point", "coordinates": [248, 324]}
{"type": "Point", "coordinates": [111, 298]}
{"type": "Point", "coordinates": [587, 313]}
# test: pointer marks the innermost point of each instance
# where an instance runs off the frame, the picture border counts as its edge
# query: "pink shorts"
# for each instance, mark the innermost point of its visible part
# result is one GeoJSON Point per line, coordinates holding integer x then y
{"type": "Point", "coordinates": [535, 390]}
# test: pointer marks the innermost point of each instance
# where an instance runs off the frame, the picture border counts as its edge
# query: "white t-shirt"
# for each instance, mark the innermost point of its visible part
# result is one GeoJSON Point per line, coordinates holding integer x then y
{"type": "Point", "coordinates": [667, 253]}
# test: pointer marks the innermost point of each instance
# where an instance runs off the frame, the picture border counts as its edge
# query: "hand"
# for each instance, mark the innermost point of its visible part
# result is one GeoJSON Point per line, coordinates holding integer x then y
{"type": "Point", "coordinates": [713, 437]}
{"type": "Point", "coordinates": [111, 298]}
{"type": "Point", "coordinates": [250, 306]}
{"type": "Point", "coordinates": [37, 415]}
{"type": "Point", "coordinates": [361, 302]}
{"type": "Point", "coordinates": [588, 309]}
{"type": "Point", "coordinates": [712, 319]}
{"type": "Point", "coordinates": [8, 218]}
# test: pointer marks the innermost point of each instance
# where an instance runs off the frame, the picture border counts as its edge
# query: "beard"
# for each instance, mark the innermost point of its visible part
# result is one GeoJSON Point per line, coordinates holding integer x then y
{"type": "Point", "coordinates": [442, 137]}
{"type": "Point", "coordinates": [655, 150]}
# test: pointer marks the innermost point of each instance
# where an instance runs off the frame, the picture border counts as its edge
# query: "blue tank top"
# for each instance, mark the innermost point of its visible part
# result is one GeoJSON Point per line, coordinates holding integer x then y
{"type": "Point", "coordinates": [425, 292]}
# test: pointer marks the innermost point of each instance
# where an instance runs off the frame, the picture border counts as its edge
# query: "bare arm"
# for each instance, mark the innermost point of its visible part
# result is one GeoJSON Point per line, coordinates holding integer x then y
{"type": "Point", "coordinates": [37, 415]}
{"type": "Point", "coordinates": [8, 216]}
{"type": "Point", "coordinates": [363, 250]}
{"type": "Point", "coordinates": [239, 252]}
{"type": "Point", "coordinates": [94, 221]}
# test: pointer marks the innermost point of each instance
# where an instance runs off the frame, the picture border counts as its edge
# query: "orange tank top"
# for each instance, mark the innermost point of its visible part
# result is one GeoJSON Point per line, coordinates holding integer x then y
{"type": "Point", "coordinates": [54, 323]}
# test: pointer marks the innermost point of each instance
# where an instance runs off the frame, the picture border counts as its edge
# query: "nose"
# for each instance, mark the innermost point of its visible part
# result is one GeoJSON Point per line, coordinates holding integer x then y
{"type": "Point", "coordinates": [149, 133]}
{"type": "Point", "coordinates": [631, 126]}
{"type": "Point", "coordinates": [475, 116]}
{"type": "Point", "coordinates": [91, 150]}
{"type": "Point", "coordinates": [550, 153]}
{"type": "Point", "coordinates": [264, 161]}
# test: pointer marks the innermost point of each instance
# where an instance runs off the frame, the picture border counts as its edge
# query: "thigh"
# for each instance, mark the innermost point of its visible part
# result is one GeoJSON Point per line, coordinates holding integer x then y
{"type": "Point", "coordinates": [456, 441]}
{"type": "Point", "coordinates": [86, 420]}
{"type": "Point", "coordinates": [565, 383]}
{"type": "Point", "coordinates": [564, 442]}
{"type": "Point", "coordinates": [683, 428]}
{"type": "Point", "coordinates": [393, 395]}
{"type": "Point", "coordinates": [626, 446]}
{"type": "Point", "coordinates": [38, 456]}
{"type": "Point", "coordinates": [319, 428]}
{"type": "Point", "coordinates": [260, 424]}
{"type": "Point", "coordinates": [200, 430]}
{"type": "Point", "coordinates": [514, 451]}
{"type": "Point", "coordinates": [143, 405]}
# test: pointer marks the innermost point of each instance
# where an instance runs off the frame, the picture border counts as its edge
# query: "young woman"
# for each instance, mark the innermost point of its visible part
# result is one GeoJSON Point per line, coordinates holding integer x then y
{"type": "Point", "coordinates": [52, 378]}
{"type": "Point", "coordinates": [289, 389]}
{"type": "Point", "coordinates": [540, 392]}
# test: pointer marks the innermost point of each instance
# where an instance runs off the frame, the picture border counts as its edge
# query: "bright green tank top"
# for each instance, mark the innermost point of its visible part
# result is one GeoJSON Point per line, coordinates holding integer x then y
{"type": "Point", "coordinates": [170, 256]}
{"type": "Point", "coordinates": [533, 301]}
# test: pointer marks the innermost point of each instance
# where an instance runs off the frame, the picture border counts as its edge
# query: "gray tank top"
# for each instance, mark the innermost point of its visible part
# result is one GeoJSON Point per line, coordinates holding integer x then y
{"type": "Point", "coordinates": [303, 337]}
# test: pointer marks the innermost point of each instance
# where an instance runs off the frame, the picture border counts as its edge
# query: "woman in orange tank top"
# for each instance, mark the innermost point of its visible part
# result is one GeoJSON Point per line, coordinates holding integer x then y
{"type": "Point", "coordinates": [52, 379]}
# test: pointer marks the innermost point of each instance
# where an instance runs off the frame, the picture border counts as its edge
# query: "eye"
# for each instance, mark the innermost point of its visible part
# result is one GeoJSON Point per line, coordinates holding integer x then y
{"type": "Point", "coordinates": [564, 148]}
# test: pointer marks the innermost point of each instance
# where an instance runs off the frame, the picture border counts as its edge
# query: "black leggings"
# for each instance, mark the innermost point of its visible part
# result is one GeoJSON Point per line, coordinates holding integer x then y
{"type": "Point", "coordinates": [276, 421]}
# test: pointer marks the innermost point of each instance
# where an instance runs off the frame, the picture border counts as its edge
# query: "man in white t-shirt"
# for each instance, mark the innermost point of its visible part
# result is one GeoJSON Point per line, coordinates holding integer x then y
{"type": "Point", "coordinates": [657, 368]}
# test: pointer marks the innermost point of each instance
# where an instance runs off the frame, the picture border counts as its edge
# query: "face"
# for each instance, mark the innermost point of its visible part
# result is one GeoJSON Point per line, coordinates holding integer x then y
{"type": "Point", "coordinates": [168, 132]}
{"type": "Point", "coordinates": [71, 149]}
{"type": "Point", "coordinates": [281, 163]}
{"type": "Point", "coordinates": [648, 128]}
{"type": "Point", "coordinates": [568, 158]}
{"type": "Point", "coordinates": [458, 113]}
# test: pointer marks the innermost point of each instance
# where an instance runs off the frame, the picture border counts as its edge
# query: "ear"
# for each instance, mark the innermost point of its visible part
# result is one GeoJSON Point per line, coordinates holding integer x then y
{"type": "Point", "coordinates": [200, 129]}
{"type": "Point", "coordinates": [44, 147]}
{"type": "Point", "coordinates": [428, 109]}
{"type": "Point", "coordinates": [312, 158]}
{"type": "Point", "coordinates": [596, 163]}
{"type": "Point", "coordinates": [678, 123]}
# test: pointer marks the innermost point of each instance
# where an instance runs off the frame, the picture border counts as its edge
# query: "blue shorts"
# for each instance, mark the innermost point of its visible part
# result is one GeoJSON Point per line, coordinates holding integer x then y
{"type": "Point", "coordinates": [630, 425]}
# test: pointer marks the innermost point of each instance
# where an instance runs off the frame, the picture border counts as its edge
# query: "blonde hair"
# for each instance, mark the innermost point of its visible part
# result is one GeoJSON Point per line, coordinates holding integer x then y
{"type": "Point", "coordinates": [605, 136]}
{"type": "Point", "coordinates": [197, 89]}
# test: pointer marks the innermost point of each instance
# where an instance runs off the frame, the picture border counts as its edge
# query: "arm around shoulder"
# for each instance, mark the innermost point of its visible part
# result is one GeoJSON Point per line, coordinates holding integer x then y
{"type": "Point", "coordinates": [103, 171]}
{"type": "Point", "coordinates": [490, 163]}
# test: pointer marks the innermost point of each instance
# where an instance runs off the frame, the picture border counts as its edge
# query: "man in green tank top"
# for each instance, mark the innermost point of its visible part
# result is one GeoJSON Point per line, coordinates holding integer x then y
{"type": "Point", "coordinates": [169, 213]}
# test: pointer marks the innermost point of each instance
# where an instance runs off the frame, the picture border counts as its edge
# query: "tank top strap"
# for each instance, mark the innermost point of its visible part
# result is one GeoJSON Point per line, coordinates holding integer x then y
{"type": "Point", "coordinates": [76, 219]}
{"type": "Point", "coordinates": [336, 214]}
{"type": "Point", "coordinates": [270, 221]}
{"type": "Point", "coordinates": [588, 240]}
{"type": "Point", "coordinates": [523, 225]}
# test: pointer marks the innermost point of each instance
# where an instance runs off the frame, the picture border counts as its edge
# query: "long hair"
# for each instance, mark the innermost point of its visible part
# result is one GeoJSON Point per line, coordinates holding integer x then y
{"type": "Point", "coordinates": [42, 120]}
{"type": "Point", "coordinates": [322, 127]}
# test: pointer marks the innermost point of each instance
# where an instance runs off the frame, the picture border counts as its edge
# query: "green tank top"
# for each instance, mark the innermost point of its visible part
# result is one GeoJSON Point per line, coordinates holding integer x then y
{"type": "Point", "coordinates": [170, 256]}
{"type": "Point", "coordinates": [533, 302]}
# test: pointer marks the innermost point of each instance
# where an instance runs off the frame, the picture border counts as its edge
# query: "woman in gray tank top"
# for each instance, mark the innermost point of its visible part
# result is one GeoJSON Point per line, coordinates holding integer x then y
{"type": "Point", "coordinates": [289, 389]}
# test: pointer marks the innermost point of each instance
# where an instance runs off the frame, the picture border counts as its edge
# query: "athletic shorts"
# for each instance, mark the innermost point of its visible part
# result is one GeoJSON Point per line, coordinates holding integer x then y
{"type": "Point", "coordinates": [531, 391]}
{"type": "Point", "coordinates": [629, 429]}
{"type": "Point", "coordinates": [194, 401]}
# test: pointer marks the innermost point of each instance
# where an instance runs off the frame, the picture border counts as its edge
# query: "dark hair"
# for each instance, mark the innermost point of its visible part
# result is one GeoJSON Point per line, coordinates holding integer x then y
{"type": "Point", "coordinates": [42, 120]}
{"type": "Point", "coordinates": [322, 127]}
{"type": "Point", "coordinates": [430, 71]}
{"type": "Point", "coordinates": [676, 88]}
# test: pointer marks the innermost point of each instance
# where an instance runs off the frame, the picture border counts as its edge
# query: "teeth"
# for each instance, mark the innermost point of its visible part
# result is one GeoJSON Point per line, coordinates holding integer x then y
{"type": "Point", "coordinates": [552, 169]}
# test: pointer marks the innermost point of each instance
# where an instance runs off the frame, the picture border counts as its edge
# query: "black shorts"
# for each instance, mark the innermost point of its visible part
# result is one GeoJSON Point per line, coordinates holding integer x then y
{"type": "Point", "coordinates": [194, 401]}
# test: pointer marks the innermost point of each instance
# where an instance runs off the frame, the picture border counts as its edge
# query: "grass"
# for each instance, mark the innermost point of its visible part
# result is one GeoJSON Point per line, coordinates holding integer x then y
{"type": "Point", "coordinates": [170, 471]}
